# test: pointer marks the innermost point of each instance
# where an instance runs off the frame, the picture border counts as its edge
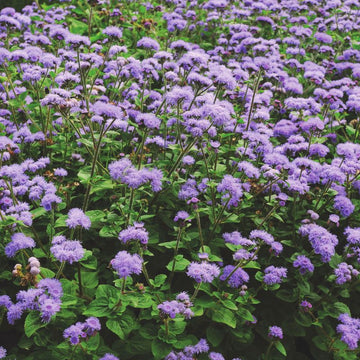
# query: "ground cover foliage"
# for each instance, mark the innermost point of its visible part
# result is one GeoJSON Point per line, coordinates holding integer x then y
{"type": "Point", "coordinates": [180, 180]}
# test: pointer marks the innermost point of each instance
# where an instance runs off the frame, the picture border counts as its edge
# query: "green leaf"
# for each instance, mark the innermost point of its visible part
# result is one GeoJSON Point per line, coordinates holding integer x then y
{"type": "Point", "coordinates": [185, 340]}
{"type": "Point", "coordinates": [335, 260]}
{"type": "Point", "coordinates": [229, 304]}
{"type": "Point", "coordinates": [334, 310]}
{"type": "Point", "coordinates": [107, 291]}
{"type": "Point", "coordinates": [320, 343]}
{"type": "Point", "coordinates": [259, 276]}
{"type": "Point", "coordinates": [89, 279]}
{"type": "Point", "coordinates": [303, 319]}
{"type": "Point", "coordinates": [139, 301]}
{"type": "Point", "coordinates": [89, 261]}
{"type": "Point", "coordinates": [287, 295]}
{"type": "Point", "coordinates": [169, 244]}
{"type": "Point", "coordinates": [180, 264]}
{"type": "Point", "coordinates": [96, 217]}
{"type": "Point", "coordinates": [114, 326]}
{"type": "Point", "coordinates": [280, 348]}
{"type": "Point", "coordinates": [78, 27]}
{"type": "Point", "coordinates": [92, 343]}
{"type": "Point", "coordinates": [159, 280]}
{"type": "Point", "coordinates": [252, 265]}
{"type": "Point", "coordinates": [148, 331]}
{"type": "Point", "coordinates": [84, 175]}
{"type": "Point", "coordinates": [215, 335]}
{"type": "Point", "coordinates": [32, 323]}
{"type": "Point", "coordinates": [108, 232]}
{"type": "Point", "coordinates": [160, 349]}
{"type": "Point", "coordinates": [224, 316]}
{"type": "Point", "coordinates": [102, 185]}
{"type": "Point", "coordinates": [245, 314]}
{"type": "Point", "coordinates": [177, 326]}
{"type": "Point", "coordinates": [47, 272]}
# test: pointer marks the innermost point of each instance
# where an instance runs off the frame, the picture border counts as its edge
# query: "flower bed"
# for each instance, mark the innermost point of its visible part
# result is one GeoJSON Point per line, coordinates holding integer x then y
{"type": "Point", "coordinates": [180, 180]}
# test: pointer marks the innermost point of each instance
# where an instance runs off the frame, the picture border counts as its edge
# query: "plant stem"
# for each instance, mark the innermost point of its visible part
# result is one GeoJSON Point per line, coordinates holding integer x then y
{"type": "Point", "coordinates": [196, 292]}
{"type": "Point", "coordinates": [268, 351]}
{"type": "Point", "coordinates": [268, 215]}
{"type": "Point", "coordinates": [123, 285]}
{"type": "Point", "coordinates": [178, 238]}
{"type": "Point", "coordinates": [93, 166]}
{"type": "Point", "coordinates": [252, 100]}
{"type": "Point", "coordinates": [61, 268]}
{"type": "Point", "coordinates": [200, 231]}
{"type": "Point", "coordinates": [166, 322]}
{"type": "Point", "coordinates": [79, 278]}
{"type": "Point", "coordinates": [132, 193]}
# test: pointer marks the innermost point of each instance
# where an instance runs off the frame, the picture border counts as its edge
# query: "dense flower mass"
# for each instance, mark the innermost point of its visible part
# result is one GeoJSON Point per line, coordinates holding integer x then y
{"type": "Point", "coordinates": [76, 217]}
{"type": "Point", "coordinates": [126, 264]}
{"type": "Point", "coordinates": [304, 264]}
{"type": "Point", "coordinates": [75, 333]}
{"type": "Point", "coordinates": [68, 250]}
{"type": "Point", "coordinates": [18, 241]}
{"type": "Point", "coordinates": [136, 232]}
{"type": "Point", "coordinates": [203, 152]}
{"type": "Point", "coordinates": [46, 299]}
{"type": "Point", "coordinates": [203, 271]}
{"type": "Point", "coordinates": [275, 332]}
{"type": "Point", "coordinates": [234, 277]}
{"type": "Point", "coordinates": [349, 329]}
{"type": "Point", "coordinates": [274, 275]}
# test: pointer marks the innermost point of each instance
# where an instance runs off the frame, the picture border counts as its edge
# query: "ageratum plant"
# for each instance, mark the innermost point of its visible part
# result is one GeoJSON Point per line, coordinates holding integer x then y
{"type": "Point", "coordinates": [180, 180]}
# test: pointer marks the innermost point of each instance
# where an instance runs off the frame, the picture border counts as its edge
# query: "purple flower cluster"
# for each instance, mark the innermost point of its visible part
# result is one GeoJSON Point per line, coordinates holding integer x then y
{"type": "Point", "coordinates": [18, 241]}
{"type": "Point", "coordinates": [322, 241]}
{"type": "Point", "coordinates": [203, 271]}
{"type": "Point", "coordinates": [76, 217]}
{"type": "Point", "coordinates": [274, 275]}
{"type": "Point", "coordinates": [45, 298]}
{"type": "Point", "coordinates": [181, 306]}
{"type": "Point", "coordinates": [189, 351]}
{"type": "Point", "coordinates": [275, 332]}
{"type": "Point", "coordinates": [345, 273]}
{"type": "Point", "coordinates": [268, 239]}
{"type": "Point", "coordinates": [126, 264]}
{"type": "Point", "coordinates": [304, 264]}
{"type": "Point", "coordinates": [82, 330]}
{"type": "Point", "coordinates": [67, 250]}
{"type": "Point", "coordinates": [125, 171]}
{"type": "Point", "coordinates": [238, 278]}
{"type": "Point", "coordinates": [305, 306]}
{"type": "Point", "coordinates": [109, 357]}
{"type": "Point", "coordinates": [137, 232]}
{"type": "Point", "coordinates": [349, 330]}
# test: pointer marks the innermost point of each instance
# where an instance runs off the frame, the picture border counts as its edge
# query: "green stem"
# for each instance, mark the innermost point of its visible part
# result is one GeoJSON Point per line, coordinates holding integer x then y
{"type": "Point", "coordinates": [93, 166]}
{"type": "Point", "coordinates": [61, 268]}
{"type": "Point", "coordinates": [175, 253]}
{"type": "Point", "coordinates": [132, 194]}
{"type": "Point", "coordinates": [80, 279]}
{"type": "Point", "coordinates": [240, 264]}
{"type": "Point", "coordinates": [166, 322]}
{"type": "Point", "coordinates": [123, 285]}
{"type": "Point", "coordinates": [183, 153]}
{"type": "Point", "coordinates": [200, 231]}
{"type": "Point", "coordinates": [196, 292]}
{"type": "Point", "coordinates": [218, 219]}
{"type": "Point", "coordinates": [268, 351]}
{"type": "Point", "coordinates": [268, 215]}
{"type": "Point", "coordinates": [252, 100]}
